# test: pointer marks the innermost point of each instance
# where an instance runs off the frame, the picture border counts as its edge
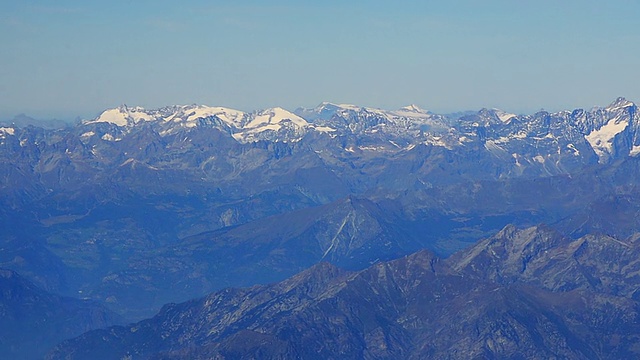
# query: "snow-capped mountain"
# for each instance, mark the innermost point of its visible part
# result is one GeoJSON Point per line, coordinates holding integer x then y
{"type": "Point", "coordinates": [547, 139]}
{"type": "Point", "coordinates": [274, 124]}
{"type": "Point", "coordinates": [358, 120]}
{"type": "Point", "coordinates": [130, 201]}
{"type": "Point", "coordinates": [612, 131]}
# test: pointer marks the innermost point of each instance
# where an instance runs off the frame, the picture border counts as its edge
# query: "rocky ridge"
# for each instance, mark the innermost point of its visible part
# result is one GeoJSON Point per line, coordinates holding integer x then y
{"type": "Point", "coordinates": [502, 298]}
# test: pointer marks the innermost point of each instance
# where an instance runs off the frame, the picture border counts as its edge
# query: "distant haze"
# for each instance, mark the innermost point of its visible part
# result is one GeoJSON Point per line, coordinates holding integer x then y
{"type": "Point", "coordinates": [76, 58]}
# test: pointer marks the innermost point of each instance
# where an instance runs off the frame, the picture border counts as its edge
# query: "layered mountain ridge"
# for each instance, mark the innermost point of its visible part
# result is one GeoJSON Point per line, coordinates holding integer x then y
{"type": "Point", "coordinates": [139, 208]}
{"type": "Point", "coordinates": [609, 131]}
{"type": "Point", "coordinates": [122, 205]}
{"type": "Point", "coordinates": [524, 293]}
{"type": "Point", "coordinates": [34, 320]}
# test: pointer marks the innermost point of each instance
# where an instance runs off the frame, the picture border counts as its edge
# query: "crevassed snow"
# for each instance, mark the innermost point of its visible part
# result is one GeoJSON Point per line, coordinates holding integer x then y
{"type": "Point", "coordinates": [601, 140]}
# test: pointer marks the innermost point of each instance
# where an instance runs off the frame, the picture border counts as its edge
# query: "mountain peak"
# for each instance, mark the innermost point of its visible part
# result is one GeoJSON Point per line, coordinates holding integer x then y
{"type": "Point", "coordinates": [333, 106]}
{"type": "Point", "coordinates": [620, 102]}
{"type": "Point", "coordinates": [276, 115]}
{"type": "Point", "coordinates": [413, 108]}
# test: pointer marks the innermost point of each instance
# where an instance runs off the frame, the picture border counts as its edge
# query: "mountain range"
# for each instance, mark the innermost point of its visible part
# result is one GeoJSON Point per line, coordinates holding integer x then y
{"type": "Point", "coordinates": [138, 208]}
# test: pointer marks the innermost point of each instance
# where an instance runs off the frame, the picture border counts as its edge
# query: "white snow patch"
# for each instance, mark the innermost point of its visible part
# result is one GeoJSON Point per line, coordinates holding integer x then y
{"type": "Point", "coordinates": [274, 127]}
{"type": "Point", "coordinates": [134, 163]}
{"type": "Point", "coordinates": [516, 156]}
{"type": "Point", "coordinates": [573, 148]}
{"type": "Point", "coordinates": [601, 140]}
{"type": "Point", "coordinates": [635, 150]}
{"type": "Point", "coordinates": [349, 107]}
{"type": "Point", "coordinates": [371, 148]}
{"type": "Point", "coordinates": [121, 116]}
{"type": "Point", "coordinates": [411, 111]}
{"type": "Point", "coordinates": [520, 135]}
{"type": "Point", "coordinates": [276, 116]}
{"type": "Point", "coordinates": [621, 105]}
{"type": "Point", "coordinates": [505, 117]}
{"type": "Point", "coordinates": [230, 116]}
{"type": "Point", "coordinates": [324, 129]}
{"type": "Point", "coordinates": [502, 140]}
{"type": "Point", "coordinates": [139, 114]}
{"type": "Point", "coordinates": [436, 141]}
{"type": "Point", "coordinates": [113, 116]}
{"type": "Point", "coordinates": [88, 134]}
{"type": "Point", "coordinates": [107, 137]}
{"type": "Point", "coordinates": [539, 159]}
{"type": "Point", "coordinates": [493, 147]}
{"type": "Point", "coordinates": [413, 108]}
{"type": "Point", "coordinates": [128, 161]}
{"type": "Point", "coordinates": [7, 130]}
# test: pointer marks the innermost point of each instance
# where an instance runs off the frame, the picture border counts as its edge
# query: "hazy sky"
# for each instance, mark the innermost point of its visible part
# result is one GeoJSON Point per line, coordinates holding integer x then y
{"type": "Point", "coordinates": [66, 58]}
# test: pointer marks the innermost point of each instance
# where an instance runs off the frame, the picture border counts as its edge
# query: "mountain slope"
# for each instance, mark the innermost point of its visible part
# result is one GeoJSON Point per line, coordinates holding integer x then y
{"type": "Point", "coordinates": [475, 304]}
{"type": "Point", "coordinates": [350, 232]}
{"type": "Point", "coordinates": [34, 320]}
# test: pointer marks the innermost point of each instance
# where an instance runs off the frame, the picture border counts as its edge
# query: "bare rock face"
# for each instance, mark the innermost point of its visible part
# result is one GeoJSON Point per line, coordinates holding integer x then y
{"type": "Point", "coordinates": [529, 293]}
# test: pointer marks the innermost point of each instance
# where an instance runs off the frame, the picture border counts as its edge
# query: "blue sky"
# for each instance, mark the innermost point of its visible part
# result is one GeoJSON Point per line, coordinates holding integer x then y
{"type": "Point", "coordinates": [75, 58]}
